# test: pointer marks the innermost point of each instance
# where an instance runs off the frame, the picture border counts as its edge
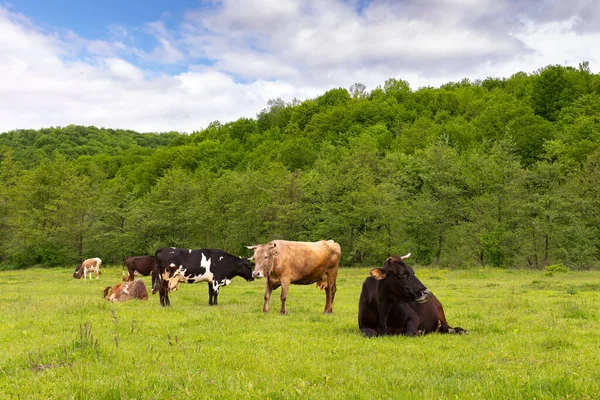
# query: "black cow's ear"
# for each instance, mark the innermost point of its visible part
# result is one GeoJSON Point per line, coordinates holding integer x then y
{"type": "Point", "coordinates": [378, 274]}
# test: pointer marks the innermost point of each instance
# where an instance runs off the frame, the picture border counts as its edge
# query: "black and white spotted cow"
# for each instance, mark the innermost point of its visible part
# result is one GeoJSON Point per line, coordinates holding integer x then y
{"type": "Point", "coordinates": [216, 267]}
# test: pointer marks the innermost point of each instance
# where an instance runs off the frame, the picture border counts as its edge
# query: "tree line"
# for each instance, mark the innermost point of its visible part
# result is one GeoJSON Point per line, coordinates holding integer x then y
{"type": "Point", "coordinates": [499, 172]}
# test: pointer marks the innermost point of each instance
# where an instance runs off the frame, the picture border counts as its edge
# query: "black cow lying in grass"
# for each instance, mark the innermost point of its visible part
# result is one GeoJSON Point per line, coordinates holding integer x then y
{"type": "Point", "coordinates": [394, 302]}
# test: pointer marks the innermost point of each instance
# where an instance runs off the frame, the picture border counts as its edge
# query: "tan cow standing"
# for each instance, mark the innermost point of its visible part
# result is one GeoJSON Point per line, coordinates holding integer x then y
{"type": "Point", "coordinates": [127, 291]}
{"type": "Point", "coordinates": [89, 266]}
{"type": "Point", "coordinates": [284, 262]}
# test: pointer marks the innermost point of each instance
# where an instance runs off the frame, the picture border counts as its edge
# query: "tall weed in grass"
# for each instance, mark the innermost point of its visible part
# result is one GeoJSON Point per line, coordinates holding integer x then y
{"type": "Point", "coordinates": [529, 338]}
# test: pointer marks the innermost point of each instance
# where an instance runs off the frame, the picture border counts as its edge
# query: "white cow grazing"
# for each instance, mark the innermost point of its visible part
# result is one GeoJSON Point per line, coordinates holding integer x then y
{"type": "Point", "coordinates": [87, 267]}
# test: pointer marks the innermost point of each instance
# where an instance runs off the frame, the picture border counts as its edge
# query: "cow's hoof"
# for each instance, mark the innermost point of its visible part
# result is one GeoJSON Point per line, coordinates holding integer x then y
{"type": "Point", "coordinates": [369, 333]}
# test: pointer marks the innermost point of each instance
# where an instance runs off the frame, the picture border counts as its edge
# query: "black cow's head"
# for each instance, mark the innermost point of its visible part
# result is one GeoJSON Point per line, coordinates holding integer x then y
{"type": "Point", "coordinates": [400, 280]}
{"type": "Point", "coordinates": [158, 283]}
{"type": "Point", "coordinates": [244, 269]}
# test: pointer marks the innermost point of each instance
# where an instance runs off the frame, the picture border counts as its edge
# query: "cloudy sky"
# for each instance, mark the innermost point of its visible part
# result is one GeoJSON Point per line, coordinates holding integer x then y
{"type": "Point", "coordinates": [160, 65]}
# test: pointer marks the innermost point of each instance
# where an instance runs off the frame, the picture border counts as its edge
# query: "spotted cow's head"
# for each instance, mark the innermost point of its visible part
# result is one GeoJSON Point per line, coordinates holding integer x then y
{"type": "Point", "coordinates": [264, 255]}
{"type": "Point", "coordinates": [400, 280]}
{"type": "Point", "coordinates": [78, 272]}
{"type": "Point", "coordinates": [244, 269]}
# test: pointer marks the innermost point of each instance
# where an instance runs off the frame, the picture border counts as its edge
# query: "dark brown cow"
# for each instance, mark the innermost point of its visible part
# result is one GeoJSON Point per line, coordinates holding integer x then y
{"type": "Point", "coordinates": [394, 302]}
{"type": "Point", "coordinates": [284, 262]}
{"type": "Point", "coordinates": [126, 291]}
{"type": "Point", "coordinates": [87, 267]}
{"type": "Point", "coordinates": [143, 265]}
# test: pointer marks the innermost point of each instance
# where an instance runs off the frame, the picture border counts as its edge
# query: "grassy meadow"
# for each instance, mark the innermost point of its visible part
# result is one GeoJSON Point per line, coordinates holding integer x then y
{"type": "Point", "coordinates": [532, 335]}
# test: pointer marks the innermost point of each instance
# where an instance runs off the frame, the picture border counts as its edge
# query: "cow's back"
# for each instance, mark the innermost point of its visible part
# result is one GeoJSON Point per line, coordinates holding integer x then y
{"type": "Point", "coordinates": [164, 256]}
{"type": "Point", "coordinates": [142, 264]}
{"type": "Point", "coordinates": [139, 290]}
{"type": "Point", "coordinates": [92, 263]}
{"type": "Point", "coordinates": [306, 262]}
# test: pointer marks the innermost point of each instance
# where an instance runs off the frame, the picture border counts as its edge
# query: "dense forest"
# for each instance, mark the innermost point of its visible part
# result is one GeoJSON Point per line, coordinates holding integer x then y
{"type": "Point", "coordinates": [499, 172]}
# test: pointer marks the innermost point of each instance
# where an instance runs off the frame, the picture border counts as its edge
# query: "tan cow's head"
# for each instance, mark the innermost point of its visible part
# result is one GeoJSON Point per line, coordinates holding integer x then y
{"type": "Point", "coordinates": [176, 277]}
{"type": "Point", "coordinates": [264, 255]}
{"type": "Point", "coordinates": [171, 277]}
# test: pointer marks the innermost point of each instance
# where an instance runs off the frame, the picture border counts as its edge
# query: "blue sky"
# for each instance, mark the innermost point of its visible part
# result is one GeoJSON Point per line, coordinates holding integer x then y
{"type": "Point", "coordinates": [102, 20]}
{"type": "Point", "coordinates": [91, 19]}
{"type": "Point", "coordinates": [181, 64]}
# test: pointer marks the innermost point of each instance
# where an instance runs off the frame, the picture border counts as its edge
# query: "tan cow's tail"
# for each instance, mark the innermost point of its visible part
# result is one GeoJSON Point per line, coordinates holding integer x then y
{"type": "Point", "coordinates": [336, 252]}
{"type": "Point", "coordinates": [106, 290]}
{"type": "Point", "coordinates": [335, 247]}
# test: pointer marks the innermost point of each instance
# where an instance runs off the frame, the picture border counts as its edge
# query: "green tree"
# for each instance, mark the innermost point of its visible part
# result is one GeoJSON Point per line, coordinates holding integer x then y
{"type": "Point", "coordinates": [437, 206]}
{"type": "Point", "coordinates": [494, 191]}
{"type": "Point", "coordinates": [54, 215]}
{"type": "Point", "coordinates": [551, 91]}
{"type": "Point", "coordinates": [166, 216]}
{"type": "Point", "coordinates": [9, 176]}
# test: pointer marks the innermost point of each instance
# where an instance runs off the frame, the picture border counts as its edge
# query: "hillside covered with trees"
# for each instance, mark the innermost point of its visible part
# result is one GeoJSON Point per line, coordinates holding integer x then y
{"type": "Point", "coordinates": [500, 172]}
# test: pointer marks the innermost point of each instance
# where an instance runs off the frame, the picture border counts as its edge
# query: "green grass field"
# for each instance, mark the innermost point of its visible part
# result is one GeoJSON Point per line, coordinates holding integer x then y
{"type": "Point", "coordinates": [531, 336]}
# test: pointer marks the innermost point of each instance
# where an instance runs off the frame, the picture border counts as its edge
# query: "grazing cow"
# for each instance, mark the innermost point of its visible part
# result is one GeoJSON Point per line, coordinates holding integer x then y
{"type": "Point", "coordinates": [284, 262]}
{"type": "Point", "coordinates": [143, 265]}
{"type": "Point", "coordinates": [127, 291]}
{"type": "Point", "coordinates": [216, 267]}
{"type": "Point", "coordinates": [393, 302]}
{"type": "Point", "coordinates": [87, 267]}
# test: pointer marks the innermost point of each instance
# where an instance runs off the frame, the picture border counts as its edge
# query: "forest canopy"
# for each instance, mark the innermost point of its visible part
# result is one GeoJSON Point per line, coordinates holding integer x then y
{"type": "Point", "coordinates": [499, 172]}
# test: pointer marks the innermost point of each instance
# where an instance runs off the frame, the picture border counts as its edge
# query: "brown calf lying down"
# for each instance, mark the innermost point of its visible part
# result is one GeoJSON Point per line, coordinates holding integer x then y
{"type": "Point", "coordinates": [127, 291]}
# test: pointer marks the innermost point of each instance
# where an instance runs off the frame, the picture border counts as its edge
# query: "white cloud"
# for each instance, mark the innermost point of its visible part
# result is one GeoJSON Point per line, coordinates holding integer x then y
{"type": "Point", "coordinates": [41, 85]}
{"type": "Point", "coordinates": [165, 53]}
{"type": "Point", "coordinates": [558, 43]}
{"type": "Point", "coordinates": [236, 56]}
{"type": "Point", "coordinates": [123, 70]}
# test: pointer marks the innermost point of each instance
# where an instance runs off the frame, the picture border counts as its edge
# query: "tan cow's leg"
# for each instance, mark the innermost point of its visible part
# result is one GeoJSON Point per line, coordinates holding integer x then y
{"type": "Point", "coordinates": [268, 291]}
{"type": "Point", "coordinates": [285, 285]}
{"type": "Point", "coordinates": [330, 290]}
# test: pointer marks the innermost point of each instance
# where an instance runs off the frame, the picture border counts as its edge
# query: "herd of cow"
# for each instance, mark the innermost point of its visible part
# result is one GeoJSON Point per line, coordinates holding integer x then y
{"type": "Point", "coordinates": [393, 301]}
